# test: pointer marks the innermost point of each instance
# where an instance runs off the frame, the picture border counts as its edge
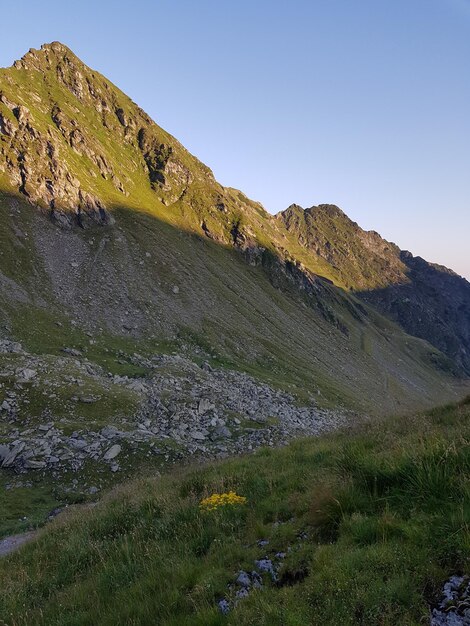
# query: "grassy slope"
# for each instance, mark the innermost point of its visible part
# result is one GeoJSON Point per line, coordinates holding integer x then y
{"type": "Point", "coordinates": [384, 514]}
{"type": "Point", "coordinates": [226, 311]}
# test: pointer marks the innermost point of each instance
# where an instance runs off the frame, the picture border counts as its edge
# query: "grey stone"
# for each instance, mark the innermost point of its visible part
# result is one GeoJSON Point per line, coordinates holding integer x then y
{"type": "Point", "coordinates": [243, 579]}
{"type": "Point", "coordinates": [242, 593]}
{"type": "Point", "coordinates": [222, 431]}
{"type": "Point", "coordinates": [224, 606]}
{"type": "Point", "coordinates": [77, 444]}
{"type": "Point", "coordinates": [26, 374]}
{"type": "Point", "coordinates": [265, 565]}
{"type": "Point", "coordinates": [13, 453]}
{"type": "Point", "coordinates": [198, 435]}
{"type": "Point", "coordinates": [204, 406]}
{"type": "Point", "coordinates": [112, 452]}
{"type": "Point", "coordinates": [138, 386]}
{"type": "Point", "coordinates": [452, 610]}
{"type": "Point", "coordinates": [34, 464]}
{"type": "Point", "coordinates": [72, 351]}
{"type": "Point", "coordinates": [4, 451]}
{"type": "Point", "coordinates": [10, 347]}
{"type": "Point", "coordinates": [109, 432]}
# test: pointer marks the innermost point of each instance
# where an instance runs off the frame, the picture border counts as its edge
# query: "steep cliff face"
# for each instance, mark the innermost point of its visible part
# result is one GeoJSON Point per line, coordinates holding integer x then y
{"type": "Point", "coordinates": [111, 228]}
{"type": "Point", "coordinates": [427, 300]}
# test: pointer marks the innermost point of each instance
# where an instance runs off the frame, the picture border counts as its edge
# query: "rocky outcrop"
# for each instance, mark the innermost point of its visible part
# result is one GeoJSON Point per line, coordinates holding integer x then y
{"type": "Point", "coordinates": [90, 122]}
{"type": "Point", "coordinates": [165, 171]}
{"type": "Point", "coordinates": [33, 161]}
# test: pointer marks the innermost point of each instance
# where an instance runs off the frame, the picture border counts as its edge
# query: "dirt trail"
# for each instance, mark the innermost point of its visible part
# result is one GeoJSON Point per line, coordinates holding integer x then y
{"type": "Point", "coordinates": [12, 543]}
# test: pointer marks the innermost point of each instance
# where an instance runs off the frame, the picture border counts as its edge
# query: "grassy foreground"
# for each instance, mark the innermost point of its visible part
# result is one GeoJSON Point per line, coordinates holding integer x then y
{"type": "Point", "coordinates": [372, 524]}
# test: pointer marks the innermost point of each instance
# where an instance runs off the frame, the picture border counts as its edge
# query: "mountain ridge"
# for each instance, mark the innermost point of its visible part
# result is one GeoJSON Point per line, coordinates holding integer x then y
{"type": "Point", "coordinates": [145, 229]}
{"type": "Point", "coordinates": [413, 292]}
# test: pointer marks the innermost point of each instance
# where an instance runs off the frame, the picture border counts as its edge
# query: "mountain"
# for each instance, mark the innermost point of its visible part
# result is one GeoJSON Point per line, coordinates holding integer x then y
{"type": "Point", "coordinates": [116, 240]}
{"type": "Point", "coordinates": [427, 300]}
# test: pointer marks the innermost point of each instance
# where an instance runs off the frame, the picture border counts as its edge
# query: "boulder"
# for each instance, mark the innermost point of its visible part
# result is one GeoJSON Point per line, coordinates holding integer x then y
{"type": "Point", "coordinates": [10, 458]}
{"type": "Point", "coordinates": [204, 406]}
{"type": "Point", "coordinates": [112, 452]}
{"type": "Point", "coordinates": [34, 464]}
{"type": "Point", "coordinates": [222, 431]}
{"type": "Point", "coordinates": [198, 435]}
{"type": "Point", "coordinates": [24, 375]}
{"type": "Point", "coordinates": [110, 432]}
{"type": "Point", "coordinates": [10, 347]}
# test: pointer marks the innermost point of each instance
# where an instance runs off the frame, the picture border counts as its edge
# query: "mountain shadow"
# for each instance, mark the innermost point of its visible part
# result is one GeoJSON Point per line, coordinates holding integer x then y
{"type": "Point", "coordinates": [427, 300]}
{"type": "Point", "coordinates": [142, 280]}
{"type": "Point", "coordinates": [434, 305]}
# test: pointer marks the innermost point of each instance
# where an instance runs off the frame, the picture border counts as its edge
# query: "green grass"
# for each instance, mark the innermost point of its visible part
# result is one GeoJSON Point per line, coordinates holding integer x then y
{"type": "Point", "coordinates": [54, 395]}
{"type": "Point", "coordinates": [376, 520]}
{"type": "Point", "coordinates": [24, 508]}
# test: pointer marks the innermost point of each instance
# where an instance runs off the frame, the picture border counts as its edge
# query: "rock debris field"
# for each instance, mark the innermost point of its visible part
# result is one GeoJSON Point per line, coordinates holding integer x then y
{"type": "Point", "coordinates": [180, 409]}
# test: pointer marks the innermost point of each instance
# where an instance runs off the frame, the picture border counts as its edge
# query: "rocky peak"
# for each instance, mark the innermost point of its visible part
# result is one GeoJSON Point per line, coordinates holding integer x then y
{"type": "Point", "coordinates": [49, 55]}
{"type": "Point", "coordinates": [53, 109]}
{"type": "Point", "coordinates": [327, 210]}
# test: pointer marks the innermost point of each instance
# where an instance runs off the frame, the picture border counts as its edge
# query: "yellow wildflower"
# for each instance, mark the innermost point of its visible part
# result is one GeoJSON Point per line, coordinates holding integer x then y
{"type": "Point", "coordinates": [216, 500]}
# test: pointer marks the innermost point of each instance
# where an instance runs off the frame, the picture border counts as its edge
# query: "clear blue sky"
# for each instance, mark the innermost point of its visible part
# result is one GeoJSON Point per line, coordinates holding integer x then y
{"type": "Point", "coordinates": [360, 103]}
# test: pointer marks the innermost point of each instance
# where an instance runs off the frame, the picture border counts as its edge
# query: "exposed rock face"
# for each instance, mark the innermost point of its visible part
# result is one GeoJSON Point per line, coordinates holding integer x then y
{"type": "Point", "coordinates": [428, 301]}
{"type": "Point", "coordinates": [164, 170]}
{"type": "Point", "coordinates": [33, 164]}
{"type": "Point", "coordinates": [359, 259]}
{"type": "Point", "coordinates": [38, 144]}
